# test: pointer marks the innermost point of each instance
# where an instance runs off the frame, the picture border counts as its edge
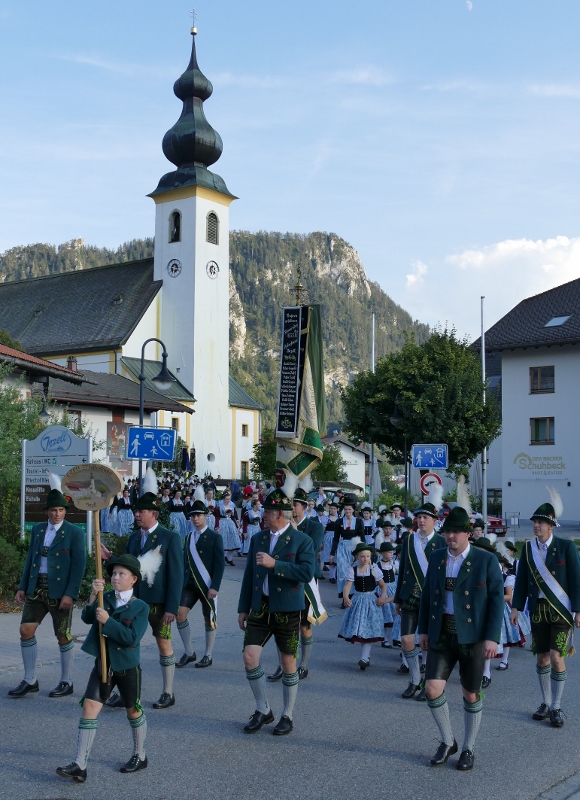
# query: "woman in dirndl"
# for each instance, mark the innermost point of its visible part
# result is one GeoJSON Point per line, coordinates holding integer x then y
{"type": "Point", "coordinates": [390, 617]}
{"type": "Point", "coordinates": [363, 618]}
{"type": "Point", "coordinates": [254, 525]}
{"type": "Point", "coordinates": [176, 508]}
{"type": "Point", "coordinates": [348, 533]}
{"type": "Point", "coordinates": [230, 534]}
{"type": "Point", "coordinates": [331, 524]}
{"type": "Point", "coordinates": [511, 635]}
{"type": "Point", "coordinates": [125, 518]}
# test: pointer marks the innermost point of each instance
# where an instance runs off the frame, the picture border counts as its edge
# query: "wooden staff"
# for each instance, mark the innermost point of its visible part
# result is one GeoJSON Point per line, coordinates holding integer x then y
{"type": "Point", "coordinates": [99, 575]}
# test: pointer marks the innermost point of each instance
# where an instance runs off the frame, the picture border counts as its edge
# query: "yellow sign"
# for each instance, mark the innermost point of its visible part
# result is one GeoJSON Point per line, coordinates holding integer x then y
{"type": "Point", "coordinates": [92, 486]}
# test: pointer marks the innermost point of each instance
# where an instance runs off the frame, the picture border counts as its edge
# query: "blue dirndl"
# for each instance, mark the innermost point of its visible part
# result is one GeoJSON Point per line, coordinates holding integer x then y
{"type": "Point", "coordinates": [344, 559]}
{"type": "Point", "coordinates": [327, 545]}
{"type": "Point", "coordinates": [180, 524]}
{"type": "Point", "coordinates": [363, 621]}
{"type": "Point", "coordinates": [388, 609]}
{"type": "Point", "coordinates": [125, 520]}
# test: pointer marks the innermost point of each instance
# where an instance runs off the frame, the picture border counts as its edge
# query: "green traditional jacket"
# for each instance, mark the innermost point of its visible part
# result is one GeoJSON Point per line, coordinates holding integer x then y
{"type": "Point", "coordinates": [563, 563]}
{"type": "Point", "coordinates": [210, 547]}
{"type": "Point", "coordinates": [168, 583]}
{"type": "Point", "coordinates": [313, 528]}
{"type": "Point", "coordinates": [123, 630]}
{"type": "Point", "coordinates": [66, 561]}
{"type": "Point", "coordinates": [407, 578]}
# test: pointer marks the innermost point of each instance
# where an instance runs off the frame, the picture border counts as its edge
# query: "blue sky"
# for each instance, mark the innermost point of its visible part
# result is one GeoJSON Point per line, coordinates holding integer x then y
{"type": "Point", "coordinates": [441, 138]}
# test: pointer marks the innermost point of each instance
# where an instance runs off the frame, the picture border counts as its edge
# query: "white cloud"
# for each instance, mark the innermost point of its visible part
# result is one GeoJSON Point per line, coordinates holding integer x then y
{"type": "Point", "coordinates": [505, 273]}
{"type": "Point", "coordinates": [556, 90]}
{"type": "Point", "coordinates": [363, 76]}
{"type": "Point", "coordinates": [116, 67]}
{"type": "Point", "coordinates": [416, 277]}
{"type": "Point", "coordinates": [469, 4]}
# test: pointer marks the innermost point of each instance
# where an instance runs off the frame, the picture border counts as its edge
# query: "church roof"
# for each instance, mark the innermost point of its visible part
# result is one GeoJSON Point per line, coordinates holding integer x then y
{"type": "Point", "coordinates": [239, 398]}
{"type": "Point", "coordinates": [192, 144]}
{"type": "Point", "coordinates": [176, 391]}
{"type": "Point", "coordinates": [92, 309]}
{"type": "Point", "coordinates": [112, 391]}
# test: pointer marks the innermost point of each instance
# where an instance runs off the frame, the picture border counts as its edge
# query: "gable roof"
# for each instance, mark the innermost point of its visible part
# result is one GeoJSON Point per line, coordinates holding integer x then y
{"type": "Point", "coordinates": [524, 325]}
{"type": "Point", "coordinates": [59, 314]}
{"type": "Point", "coordinates": [239, 398]}
{"type": "Point", "coordinates": [112, 391]}
{"type": "Point", "coordinates": [176, 391]}
{"type": "Point", "coordinates": [37, 366]}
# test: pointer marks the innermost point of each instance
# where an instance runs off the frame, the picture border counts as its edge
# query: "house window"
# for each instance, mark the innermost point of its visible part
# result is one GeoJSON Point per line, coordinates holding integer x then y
{"type": "Point", "coordinates": [175, 227]}
{"type": "Point", "coordinates": [244, 470]}
{"type": "Point", "coordinates": [175, 423]}
{"type": "Point", "coordinates": [213, 232]}
{"type": "Point", "coordinates": [555, 322]}
{"type": "Point", "coordinates": [244, 430]}
{"type": "Point", "coordinates": [541, 380]}
{"type": "Point", "coordinates": [542, 430]}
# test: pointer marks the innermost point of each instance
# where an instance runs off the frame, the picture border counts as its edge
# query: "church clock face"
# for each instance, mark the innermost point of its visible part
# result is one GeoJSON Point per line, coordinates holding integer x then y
{"type": "Point", "coordinates": [174, 267]}
{"type": "Point", "coordinates": [212, 269]}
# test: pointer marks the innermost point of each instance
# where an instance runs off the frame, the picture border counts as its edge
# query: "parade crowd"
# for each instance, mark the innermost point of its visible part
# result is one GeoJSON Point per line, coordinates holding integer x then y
{"type": "Point", "coordinates": [437, 588]}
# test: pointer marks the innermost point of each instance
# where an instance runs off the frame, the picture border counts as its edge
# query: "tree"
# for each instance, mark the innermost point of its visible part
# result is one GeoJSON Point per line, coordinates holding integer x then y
{"type": "Point", "coordinates": [8, 341]}
{"type": "Point", "coordinates": [263, 462]}
{"type": "Point", "coordinates": [332, 466]}
{"type": "Point", "coordinates": [436, 391]}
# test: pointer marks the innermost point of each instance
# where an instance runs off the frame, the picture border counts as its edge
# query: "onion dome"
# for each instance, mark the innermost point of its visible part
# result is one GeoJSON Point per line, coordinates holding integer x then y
{"type": "Point", "coordinates": [192, 144]}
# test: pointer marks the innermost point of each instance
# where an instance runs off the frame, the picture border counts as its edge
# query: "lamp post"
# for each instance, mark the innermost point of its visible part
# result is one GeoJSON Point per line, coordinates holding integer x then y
{"type": "Point", "coordinates": [395, 420]}
{"type": "Point", "coordinates": [163, 381]}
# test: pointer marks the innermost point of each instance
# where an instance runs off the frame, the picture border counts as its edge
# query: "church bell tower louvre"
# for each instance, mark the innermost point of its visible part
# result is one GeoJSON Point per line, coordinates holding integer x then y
{"type": "Point", "coordinates": [192, 259]}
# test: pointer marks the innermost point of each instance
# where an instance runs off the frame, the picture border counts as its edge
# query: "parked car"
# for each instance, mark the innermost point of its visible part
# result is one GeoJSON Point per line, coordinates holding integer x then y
{"type": "Point", "coordinates": [494, 524]}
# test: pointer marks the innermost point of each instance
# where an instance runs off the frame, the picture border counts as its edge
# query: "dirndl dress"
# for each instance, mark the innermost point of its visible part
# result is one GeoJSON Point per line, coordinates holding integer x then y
{"type": "Point", "coordinates": [179, 522]}
{"type": "Point", "coordinates": [125, 521]}
{"type": "Point", "coordinates": [229, 534]}
{"type": "Point", "coordinates": [252, 528]}
{"type": "Point", "coordinates": [104, 521]}
{"type": "Point", "coordinates": [363, 620]}
{"type": "Point", "coordinates": [327, 545]}
{"type": "Point", "coordinates": [513, 635]}
{"type": "Point", "coordinates": [343, 561]}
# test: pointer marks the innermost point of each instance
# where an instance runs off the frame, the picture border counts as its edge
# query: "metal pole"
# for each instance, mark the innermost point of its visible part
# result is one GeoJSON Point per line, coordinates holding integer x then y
{"type": "Point", "coordinates": [23, 489]}
{"type": "Point", "coordinates": [484, 451]}
{"type": "Point", "coordinates": [406, 473]}
{"type": "Point", "coordinates": [372, 453]}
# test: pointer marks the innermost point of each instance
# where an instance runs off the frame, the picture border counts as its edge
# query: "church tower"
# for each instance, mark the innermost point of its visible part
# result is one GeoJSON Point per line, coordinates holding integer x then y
{"type": "Point", "coordinates": [192, 260]}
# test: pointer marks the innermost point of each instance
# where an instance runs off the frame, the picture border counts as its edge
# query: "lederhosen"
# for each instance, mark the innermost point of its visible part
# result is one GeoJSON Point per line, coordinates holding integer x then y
{"type": "Point", "coordinates": [39, 604]}
{"type": "Point", "coordinates": [447, 652]}
{"type": "Point", "coordinates": [410, 612]}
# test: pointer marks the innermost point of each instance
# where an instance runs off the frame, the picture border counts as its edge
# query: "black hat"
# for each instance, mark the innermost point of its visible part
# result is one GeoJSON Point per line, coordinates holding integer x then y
{"type": "Point", "coordinates": [479, 523]}
{"type": "Point", "coordinates": [386, 547]}
{"type": "Point", "coordinates": [278, 501]}
{"type": "Point", "coordinates": [333, 504]}
{"type": "Point", "coordinates": [300, 496]}
{"type": "Point", "coordinates": [349, 500]}
{"type": "Point", "coordinates": [396, 505]}
{"type": "Point", "coordinates": [485, 544]}
{"type": "Point", "coordinates": [456, 520]}
{"type": "Point", "coordinates": [199, 507]}
{"type": "Point", "coordinates": [407, 522]}
{"type": "Point", "coordinates": [545, 513]}
{"type": "Point", "coordinates": [513, 548]}
{"type": "Point", "coordinates": [385, 523]}
{"type": "Point", "coordinates": [320, 507]}
{"type": "Point", "coordinates": [362, 546]}
{"type": "Point", "coordinates": [428, 509]}
{"type": "Point", "coordinates": [147, 502]}
{"type": "Point", "coordinates": [126, 560]}
{"type": "Point", "coordinates": [55, 499]}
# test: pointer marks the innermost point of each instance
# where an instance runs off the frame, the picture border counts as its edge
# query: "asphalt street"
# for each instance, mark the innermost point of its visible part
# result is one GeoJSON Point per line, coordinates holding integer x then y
{"type": "Point", "coordinates": [354, 735]}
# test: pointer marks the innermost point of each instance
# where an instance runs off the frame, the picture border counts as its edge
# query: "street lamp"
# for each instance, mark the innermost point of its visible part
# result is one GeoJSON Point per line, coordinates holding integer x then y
{"type": "Point", "coordinates": [396, 420]}
{"type": "Point", "coordinates": [163, 381]}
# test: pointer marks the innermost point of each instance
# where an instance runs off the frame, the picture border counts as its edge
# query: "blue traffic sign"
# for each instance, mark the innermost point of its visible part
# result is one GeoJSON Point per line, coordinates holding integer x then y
{"type": "Point", "coordinates": [155, 444]}
{"type": "Point", "coordinates": [429, 456]}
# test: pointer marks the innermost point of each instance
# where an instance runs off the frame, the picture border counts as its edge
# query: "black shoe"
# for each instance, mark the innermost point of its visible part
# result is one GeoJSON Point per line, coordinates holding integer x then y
{"type": "Point", "coordinates": [422, 697]}
{"type": "Point", "coordinates": [485, 681]}
{"type": "Point", "coordinates": [321, 578]}
{"type": "Point", "coordinates": [342, 605]}
{"type": "Point", "coordinates": [396, 643]}
{"type": "Point", "coordinates": [422, 668]}
{"type": "Point", "coordinates": [302, 673]}
{"type": "Point", "coordinates": [443, 753]}
{"type": "Point", "coordinates": [386, 644]}
{"type": "Point", "coordinates": [230, 563]}
{"type": "Point", "coordinates": [332, 580]}
{"type": "Point", "coordinates": [410, 691]}
{"type": "Point", "coordinates": [205, 662]}
{"type": "Point", "coordinates": [257, 720]}
{"type": "Point", "coordinates": [61, 690]}
{"type": "Point", "coordinates": [364, 664]}
{"type": "Point", "coordinates": [185, 660]}
{"type": "Point", "coordinates": [542, 713]}
{"type": "Point", "coordinates": [23, 688]}
{"type": "Point", "coordinates": [72, 771]}
{"type": "Point", "coordinates": [502, 666]}
{"type": "Point", "coordinates": [115, 701]}
{"type": "Point", "coordinates": [556, 718]}
{"type": "Point", "coordinates": [276, 675]}
{"type": "Point", "coordinates": [134, 764]}
{"type": "Point", "coordinates": [284, 727]}
{"type": "Point", "coordinates": [466, 760]}
{"type": "Point", "coordinates": [165, 701]}
{"type": "Point", "coordinates": [325, 569]}
{"type": "Point", "coordinates": [403, 670]}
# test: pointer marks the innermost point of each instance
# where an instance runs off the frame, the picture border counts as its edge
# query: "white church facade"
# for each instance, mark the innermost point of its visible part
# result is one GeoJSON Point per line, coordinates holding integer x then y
{"type": "Point", "coordinates": [180, 297]}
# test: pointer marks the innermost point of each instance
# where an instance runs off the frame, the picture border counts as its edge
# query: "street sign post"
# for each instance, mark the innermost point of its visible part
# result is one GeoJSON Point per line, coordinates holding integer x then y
{"type": "Point", "coordinates": [55, 450]}
{"type": "Point", "coordinates": [429, 456]}
{"type": "Point", "coordinates": [151, 444]}
{"type": "Point", "coordinates": [428, 480]}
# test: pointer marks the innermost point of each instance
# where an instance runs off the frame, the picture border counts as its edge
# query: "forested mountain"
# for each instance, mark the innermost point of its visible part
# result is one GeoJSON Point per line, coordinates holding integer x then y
{"type": "Point", "coordinates": [262, 279]}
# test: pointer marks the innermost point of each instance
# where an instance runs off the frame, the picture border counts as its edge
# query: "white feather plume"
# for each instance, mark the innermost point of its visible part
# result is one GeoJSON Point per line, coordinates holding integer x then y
{"type": "Point", "coordinates": [150, 481]}
{"type": "Point", "coordinates": [290, 484]}
{"type": "Point", "coordinates": [379, 538]}
{"type": "Point", "coordinates": [463, 495]}
{"type": "Point", "coordinates": [54, 481]}
{"type": "Point", "coordinates": [436, 495]}
{"type": "Point", "coordinates": [150, 563]}
{"type": "Point", "coordinates": [382, 508]}
{"type": "Point", "coordinates": [556, 502]}
{"type": "Point", "coordinates": [306, 483]}
{"type": "Point", "coordinates": [199, 494]}
{"type": "Point", "coordinates": [366, 504]}
{"type": "Point", "coordinates": [354, 541]}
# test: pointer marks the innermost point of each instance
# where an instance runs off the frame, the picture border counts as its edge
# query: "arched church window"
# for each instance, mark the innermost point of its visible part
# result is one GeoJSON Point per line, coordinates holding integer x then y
{"type": "Point", "coordinates": [175, 227]}
{"type": "Point", "coordinates": [213, 233]}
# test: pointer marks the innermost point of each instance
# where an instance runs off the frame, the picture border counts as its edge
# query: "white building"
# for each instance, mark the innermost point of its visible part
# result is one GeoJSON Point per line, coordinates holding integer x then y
{"type": "Point", "coordinates": [539, 344]}
{"type": "Point", "coordinates": [104, 316]}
